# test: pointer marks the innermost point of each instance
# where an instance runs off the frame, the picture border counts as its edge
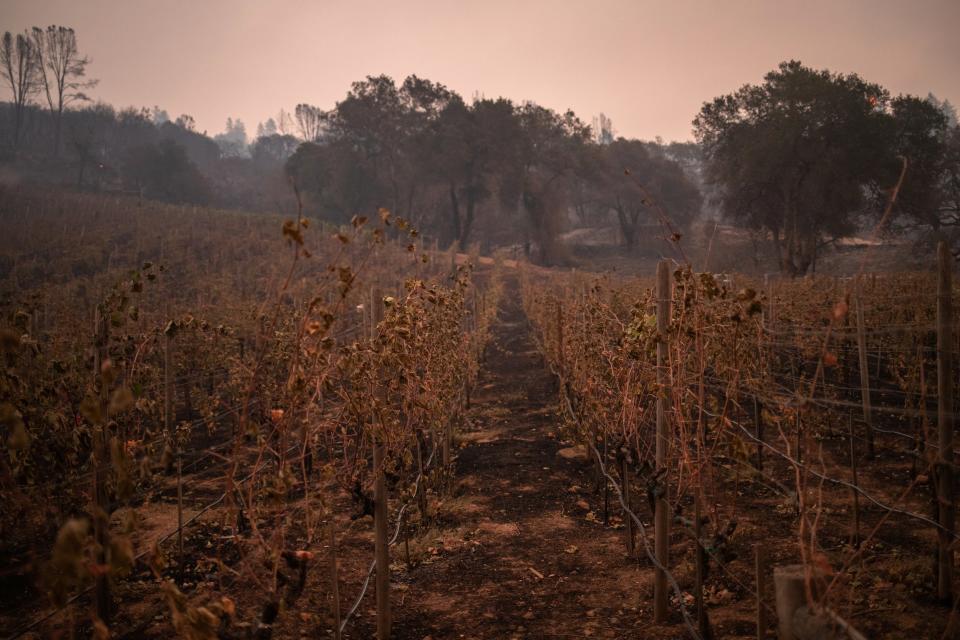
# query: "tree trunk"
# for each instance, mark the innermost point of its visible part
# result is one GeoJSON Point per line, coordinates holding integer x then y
{"type": "Point", "coordinates": [455, 213]}
{"type": "Point", "coordinates": [56, 132]}
{"type": "Point", "coordinates": [788, 261]}
{"type": "Point", "coordinates": [777, 245]}
{"type": "Point", "coordinates": [17, 124]}
{"type": "Point", "coordinates": [628, 227]}
{"type": "Point", "coordinates": [625, 230]}
{"type": "Point", "coordinates": [467, 225]}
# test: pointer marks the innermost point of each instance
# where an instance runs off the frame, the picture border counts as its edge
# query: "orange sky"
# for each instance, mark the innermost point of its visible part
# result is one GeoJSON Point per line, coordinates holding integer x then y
{"type": "Point", "coordinates": [648, 65]}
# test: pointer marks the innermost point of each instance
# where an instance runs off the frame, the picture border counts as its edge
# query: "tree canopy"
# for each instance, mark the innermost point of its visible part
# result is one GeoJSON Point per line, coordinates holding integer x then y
{"type": "Point", "coordinates": [799, 155]}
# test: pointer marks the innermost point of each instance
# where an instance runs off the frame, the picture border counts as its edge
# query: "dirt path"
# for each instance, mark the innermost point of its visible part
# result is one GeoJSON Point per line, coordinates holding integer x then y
{"type": "Point", "coordinates": [520, 552]}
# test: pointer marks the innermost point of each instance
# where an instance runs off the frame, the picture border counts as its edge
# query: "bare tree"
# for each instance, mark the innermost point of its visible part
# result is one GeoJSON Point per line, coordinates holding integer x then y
{"type": "Point", "coordinates": [20, 68]}
{"type": "Point", "coordinates": [309, 122]}
{"type": "Point", "coordinates": [62, 72]}
{"type": "Point", "coordinates": [284, 123]}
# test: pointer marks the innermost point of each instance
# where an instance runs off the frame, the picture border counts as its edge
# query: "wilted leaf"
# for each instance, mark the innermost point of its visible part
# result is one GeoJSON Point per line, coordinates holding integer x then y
{"type": "Point", "coordinates": [121, 400]}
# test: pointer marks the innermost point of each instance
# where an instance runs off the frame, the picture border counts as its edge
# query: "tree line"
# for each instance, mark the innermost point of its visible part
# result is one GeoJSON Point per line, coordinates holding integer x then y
{"type": "Point", "coordinates": [52, 130]}
{"type": "Point", "coordinates": [804, 158]}
{"type": "Point", "coordinates": [488, 170]}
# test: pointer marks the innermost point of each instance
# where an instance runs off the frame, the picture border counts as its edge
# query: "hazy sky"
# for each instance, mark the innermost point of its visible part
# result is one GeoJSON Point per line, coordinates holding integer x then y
{"type": "Point", "coordinates": [648, 65]}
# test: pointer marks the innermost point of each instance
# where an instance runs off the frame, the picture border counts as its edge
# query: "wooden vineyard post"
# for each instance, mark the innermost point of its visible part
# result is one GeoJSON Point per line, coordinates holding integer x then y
{"type": "Point", "coordinates": [662, 508]}
{"type": "Point", "coordinates": [758, 423]}
{"type": "Point", "coordinates": [945, 408]}
{"type": "Point", "coordinates": [799, 436]}
{"type": "Point", "coordinates": [864, 369]}
{"type": "Point", "coordinates": [375, 304]}
{"type": "Point", "coordinates": [446, 451]}
{"type": "Point", "coordinates": [101, 516]}
{"type": "Point", "coordinates": [625, 477]}
{"type": "Point", "coordinates": [421, 485]}
{"type": "Point", "coordinates": [597, 468]}
{"type": "Point", "coordinates": [856, 495]}
{"type": "Point", "coordinates": [180, 510]}
{"type": "Point", "coordinates": [560, 337]}
{"type": "Point", "coordinates": [703, 623]}
{"type": "Point", "coordinates": [168, 426]}
{"type": "Point", "coordinates": [879, 361]}
{"type": "Point", "coordinates": [167, 385]}
{"type": "Point", "coordinates": [602, 478]}
{"type": "Point", "coordinates": [381, 545]}
{"type": "Point", "coordinates": [761, 612]}
{"type": "Point", "coordinates": [334, 579]}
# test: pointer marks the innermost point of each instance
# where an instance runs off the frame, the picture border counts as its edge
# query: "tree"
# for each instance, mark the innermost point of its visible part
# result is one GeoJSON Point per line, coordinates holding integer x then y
{"type": "Point", "coordinates": [159, 116]}
{"type": "Point", "coordinates": [267, 128]}
{"type": "Point", "coordinates": [371, 119]}
{"type": "Point", "coordinates": [233, 141]}
{"type": "Point", "coordinates": [284, 123]}
{"type": "Point", "coordinates": [946, 107]}
{"type": "Point", "coordinates": [19, 66]}
{"type": "Point", "coordinates": [389, 128]}
{"type": "Point", "coordinates": [950, 189]}
{"type": "Point", "coordinates": [62, 72]}
{"type": "Point", "coordinates": [270, 151]}
{"type": "Point", "coordinates": [186, 122]}
{"type": "Point", "coordinates": [928, 199]}
{"type": "Point", "coordinates": [202, 151]}
{"type": "Point", "coordinates": [164, 172]}
{"type": "Point", "coordinates": [640, 183]}
{"type": "Point", "coordinates": [550, 152]}
{"type": "Point", "coordinates": [309, 122]}
{"type": "Point", "coordinates": [792, 156]}
{"type": "Point", "coordinates": [603, 132]}
{"type": "Point", "coordinates": [86, 133]}
{"type": "Point", "coordinates": [336, 178]}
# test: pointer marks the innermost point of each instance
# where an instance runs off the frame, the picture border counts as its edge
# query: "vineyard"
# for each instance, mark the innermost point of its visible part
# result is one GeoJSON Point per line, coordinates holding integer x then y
{"type": "Point", "coordinates": [225, 425]}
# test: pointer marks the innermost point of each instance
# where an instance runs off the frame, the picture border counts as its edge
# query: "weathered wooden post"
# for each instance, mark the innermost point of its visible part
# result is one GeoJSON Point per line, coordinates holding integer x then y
{"type": "Point", "coordinates": [381, 544]}
{"type": "Point", "coordinates": [760, 587]}
{"type": "Point", "coordinates": [790, 586]}
{"type": "Point", "coordinates": [864, 369]}
{"type": "Point", "coordinates": [560, 362]}
{"type": "Point", "coordinates": [662, 507]}
{"type": "Point", "coordinates": [945, 392]}
{"type": "Point", "coordinates": [421, 485]}
{"type": "Point", "coordinates": [853, 490]}
{"type": "Point", "coordinates": [703, 623]}
{"type": "Point", "coordinates": [334, 579]}
{"type": "Point", "coordinates": [167, 382]}
{"type": "Point", "coordinates": [376, 305]}
{"type": "Point", "coordinates": [799, 421]}
{"type": "Point", "coordinates": [758, 423]}
{"type": "Point", "coordinates": [625, 477]}
{"type": "Point", "coordinates": [799, 618]}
